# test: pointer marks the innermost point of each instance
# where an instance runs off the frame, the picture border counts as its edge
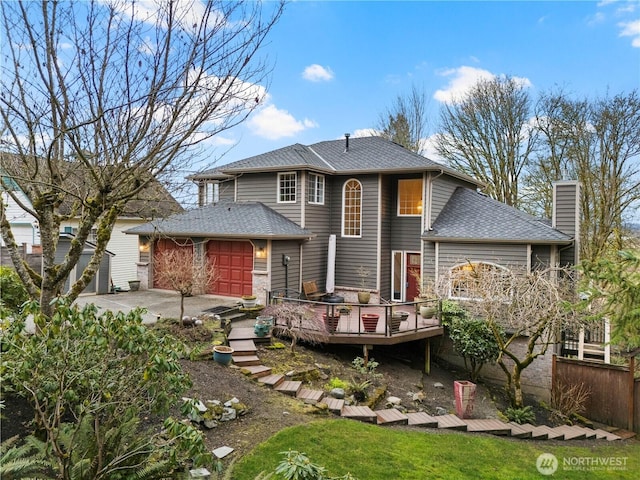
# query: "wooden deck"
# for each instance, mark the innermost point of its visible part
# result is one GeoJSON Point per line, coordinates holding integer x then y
{"type": "Point", "coordinates": [350, 329]}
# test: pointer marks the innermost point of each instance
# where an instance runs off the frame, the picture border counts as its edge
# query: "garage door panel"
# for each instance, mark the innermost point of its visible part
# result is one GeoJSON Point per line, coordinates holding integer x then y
{"type": "Point", "coordinates": [234, 261]}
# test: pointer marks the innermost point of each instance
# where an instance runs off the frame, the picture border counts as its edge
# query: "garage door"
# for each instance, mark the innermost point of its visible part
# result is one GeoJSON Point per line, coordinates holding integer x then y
{"type": "Point", "coordinates": [234, 263]}
{"type": "Point", "coordinates": [163, 245]}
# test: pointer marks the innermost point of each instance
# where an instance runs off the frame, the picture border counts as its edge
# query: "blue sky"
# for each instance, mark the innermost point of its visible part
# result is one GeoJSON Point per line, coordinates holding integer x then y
{"type": "Point", "coordinates": [338, 65]}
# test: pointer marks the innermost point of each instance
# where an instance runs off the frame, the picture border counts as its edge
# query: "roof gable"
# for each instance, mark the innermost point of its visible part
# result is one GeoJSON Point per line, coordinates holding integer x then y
{"type": "Point", "coordinates": [470, 216]}
{"type": "Point", "coordinates": [364, 155]}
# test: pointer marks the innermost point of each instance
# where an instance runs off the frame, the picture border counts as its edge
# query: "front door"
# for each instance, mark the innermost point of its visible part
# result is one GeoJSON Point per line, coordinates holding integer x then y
{"type": "Point", "coordinates": [413, 276]}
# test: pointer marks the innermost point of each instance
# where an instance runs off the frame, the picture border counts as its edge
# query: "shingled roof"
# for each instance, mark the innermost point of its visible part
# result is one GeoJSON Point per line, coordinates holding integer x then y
{"type": "Point", "coordinates": [364, 155]}
{"type": "Point", "coordinates": [472, 217]}
{"type": "Point", "coordinates": [226, 219]}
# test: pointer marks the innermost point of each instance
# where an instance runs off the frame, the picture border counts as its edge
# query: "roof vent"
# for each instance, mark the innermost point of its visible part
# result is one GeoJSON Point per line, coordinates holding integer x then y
{"type": "Point", "coordinates": [346, 143]}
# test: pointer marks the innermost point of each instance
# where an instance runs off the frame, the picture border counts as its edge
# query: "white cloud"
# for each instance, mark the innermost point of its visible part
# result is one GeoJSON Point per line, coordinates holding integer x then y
{"type": "Point", "coordinates": [462, 79]}
{"type": "Point", "coordinates": [273, 123]}
{"type": "Point", "coordinates": [317, 73]}
{"type": "Point", "coordinates": [631, 29]}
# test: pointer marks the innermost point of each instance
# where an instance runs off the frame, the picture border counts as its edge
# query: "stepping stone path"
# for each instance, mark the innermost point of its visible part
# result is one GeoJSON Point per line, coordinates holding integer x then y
{"type": "Point", "coordinates": [242, 340]}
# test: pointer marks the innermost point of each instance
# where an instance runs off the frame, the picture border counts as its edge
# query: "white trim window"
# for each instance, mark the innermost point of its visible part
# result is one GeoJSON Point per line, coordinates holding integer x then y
{"type": "Point", "coordinates": [410, 197]}
{"type": "Point", "coordinates": [211, 193]}
{"type": "Point", "coordinates": [315, 189]}
{"type": "Point", "coordinates": [352, 208]}
{"type": "Point", "coordinates": [287, 186]}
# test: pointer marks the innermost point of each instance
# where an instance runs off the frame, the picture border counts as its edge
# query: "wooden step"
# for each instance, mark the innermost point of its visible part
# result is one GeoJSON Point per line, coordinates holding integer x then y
{"type": "Point", "coordinates": [334, 404]}
{"type": "Point", "coordinates": [364, 414]}
{"type": "Point", "coordinates": [272, 380]}
{"type": "Point", "coordinates": [246, 333]}
{"type": "Point", "coordinates": [521, 431]}
{"type": "Point", "coordinates": [604, 435]}
{"type": "Point", "coordinates": [451, 421]}
{"type": "Point", "coordinates": [488, 425]}
{"type": "Point", "coordinates": [308, 395]}
{"type": "Point", "coordinates": [289, 387]}
{"type": "Point", "coordinates": [256, 371]}
{"type": "Point", "coordinates": [243, 347]}
{"type": "Point", "coordinates": [589, 432]}
{"type": "Point", "coordinates": [544, 432]}
{"type": "Point", "coordinates": [246, 360]}
{"type": "Point", "coordinates": [570, 432]}
{"type": "Point", "coordinates": [422, 419]}
{"type": "Point", "coordinates": [391, 415]}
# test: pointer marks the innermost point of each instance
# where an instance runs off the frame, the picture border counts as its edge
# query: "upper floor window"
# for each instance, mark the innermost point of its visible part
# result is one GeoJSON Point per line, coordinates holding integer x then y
{"type": "Point", "coordinates": [410, 196]}
{"type": "Point", "coordinates": [352, 209]}
{"type": "Point", "coordinates": [211, 193]}
{"type": "Point", "coordinates": [315, 189]}
{"type": "Point", "coordinates": [468, 280]}
{"type": "Point", "coordinates": [287, 184]}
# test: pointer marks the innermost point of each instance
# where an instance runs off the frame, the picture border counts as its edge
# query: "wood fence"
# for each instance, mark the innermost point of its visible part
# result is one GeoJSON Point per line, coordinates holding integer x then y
{"type": "Point", "coordinates": [614, 393]}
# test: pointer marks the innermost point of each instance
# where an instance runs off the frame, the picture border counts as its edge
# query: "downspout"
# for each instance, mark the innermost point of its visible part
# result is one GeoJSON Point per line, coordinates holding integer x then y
{"type": "Point", "coordinates": [379, 235]}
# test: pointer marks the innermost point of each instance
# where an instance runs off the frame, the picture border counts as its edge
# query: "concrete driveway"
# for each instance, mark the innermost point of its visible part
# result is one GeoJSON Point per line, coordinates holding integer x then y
{"type": "Point", "coordinates": [159, 303]}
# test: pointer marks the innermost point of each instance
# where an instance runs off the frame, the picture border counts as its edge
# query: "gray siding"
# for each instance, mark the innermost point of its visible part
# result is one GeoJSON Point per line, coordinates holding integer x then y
{"type": "Point", "coordinates": [387, 217]}
{"type": "Point", "coordinates": [353, 252]}
{"type": "Point", "coordinates": [263, 187]}
{"type": "Point", "coordinates": [429, 261]}
{"type": "Point", "coordinates": [566, 196]}
{"type": "Point", "coordinates": [315, 251]}
{"type": "Point", "coordinates": [540, 256]}
{"type": "Point", "coordinates": [507, 255]}
{"type": "Point", "coordinates": [279, 272]}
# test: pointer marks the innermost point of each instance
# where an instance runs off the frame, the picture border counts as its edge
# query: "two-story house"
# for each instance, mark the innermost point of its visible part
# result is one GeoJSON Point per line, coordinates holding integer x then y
{"type": "Point", "coordinates": [266, 222]}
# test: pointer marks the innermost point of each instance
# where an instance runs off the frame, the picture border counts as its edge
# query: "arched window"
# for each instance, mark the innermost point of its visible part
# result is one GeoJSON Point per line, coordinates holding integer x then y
{"type": "Point", "coordinates": [467, 279]}
{"type": "Point", "coordinates": [352, 208]}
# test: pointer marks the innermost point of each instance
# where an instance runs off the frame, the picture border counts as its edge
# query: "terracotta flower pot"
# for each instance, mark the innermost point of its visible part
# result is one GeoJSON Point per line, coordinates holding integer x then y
{"type": "Point", "coordinates": [331, 322]}
{"type": "Point", "coordinates": [370, 321]}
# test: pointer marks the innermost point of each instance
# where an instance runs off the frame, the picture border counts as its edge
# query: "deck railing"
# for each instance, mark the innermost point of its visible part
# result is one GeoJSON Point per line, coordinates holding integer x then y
{"type": "Point", "coordinates": [356, 319]}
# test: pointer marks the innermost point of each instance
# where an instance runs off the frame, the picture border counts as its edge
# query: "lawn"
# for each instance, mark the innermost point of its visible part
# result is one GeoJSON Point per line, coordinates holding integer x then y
{"type": "Point", "coordinates": [369, 453]}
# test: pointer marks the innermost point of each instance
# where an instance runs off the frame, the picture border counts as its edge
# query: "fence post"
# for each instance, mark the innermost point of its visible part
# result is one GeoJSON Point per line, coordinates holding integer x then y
{"type": "Point", "coordinates": [632, 369]}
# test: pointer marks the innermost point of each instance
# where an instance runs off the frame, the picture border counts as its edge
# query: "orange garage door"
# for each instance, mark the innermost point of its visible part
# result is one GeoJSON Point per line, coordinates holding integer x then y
{"type": "Point", "coordinates": [234, 263]}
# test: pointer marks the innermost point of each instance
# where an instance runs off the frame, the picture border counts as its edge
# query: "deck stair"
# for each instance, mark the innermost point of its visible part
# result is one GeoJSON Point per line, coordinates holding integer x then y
{"type": "Point", "coordinates": [391, 416]}
{"type": "Point", "coordinates": [334, 405]}
{"type": "Point", "coordinates": [571, 433]}
{"type": "Point", "coordinates": [422, 419]}
{"type": "Point", "coordinates": [310, 396]}
{"type": "Point", "coordinates": [247, 333]}
{"type": "Point", "coordinates": [488, 425]}
{"type": "Point", "coordinates": [289, 387]}
{"type": "Point", "coordinates": [521, 431]}
{"type": "Point", "coordinates": [364, 414]}
{"type": "Point", "coordinates": [243, 347]}
{"type": "Point", "coordinates": [242, 340]}
{"type": "Point", "coordinates": [245, 360]}
{"type": "Point", "coordinates": [451, 421]}
{"type": "Point", "coordinates": [272, 380]}
{"type": "Point", "coordinates": [256, 371]}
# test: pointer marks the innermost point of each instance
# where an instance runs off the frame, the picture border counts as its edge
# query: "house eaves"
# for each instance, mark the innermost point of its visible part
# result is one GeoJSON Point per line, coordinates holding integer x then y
{"type": "Point", "coordinates": [365, 155]}
{"type": "Point", "coordinates": [226, 220]}
{"type": "Point", "coordinates": [471, 217]}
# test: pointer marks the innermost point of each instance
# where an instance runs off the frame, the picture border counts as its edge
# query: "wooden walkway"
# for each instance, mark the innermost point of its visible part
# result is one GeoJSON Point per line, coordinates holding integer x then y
{"type": "Point", "coordinates": [242, 341]}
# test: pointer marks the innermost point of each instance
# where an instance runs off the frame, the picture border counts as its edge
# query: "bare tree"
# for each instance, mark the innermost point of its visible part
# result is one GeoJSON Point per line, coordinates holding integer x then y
{"type": "Point", "coordinates": [298, 322]}
{"type": "Point", "coordinates": [100, 97]}
{"type": "Point", "coordinates": [487, 135]}
{"type": "Point", "coordinates": [405, 121]}
{"type": "Point", "coordinates": [598, 143]}
{"type": "Point", "coordinates": [517, 305]}
{"type": "Point", "coordinates": [184, 271]}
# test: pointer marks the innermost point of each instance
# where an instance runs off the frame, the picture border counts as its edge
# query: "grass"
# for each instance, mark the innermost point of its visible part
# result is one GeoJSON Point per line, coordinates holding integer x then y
{"type": "Point", "coordinates": [369, 453]}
